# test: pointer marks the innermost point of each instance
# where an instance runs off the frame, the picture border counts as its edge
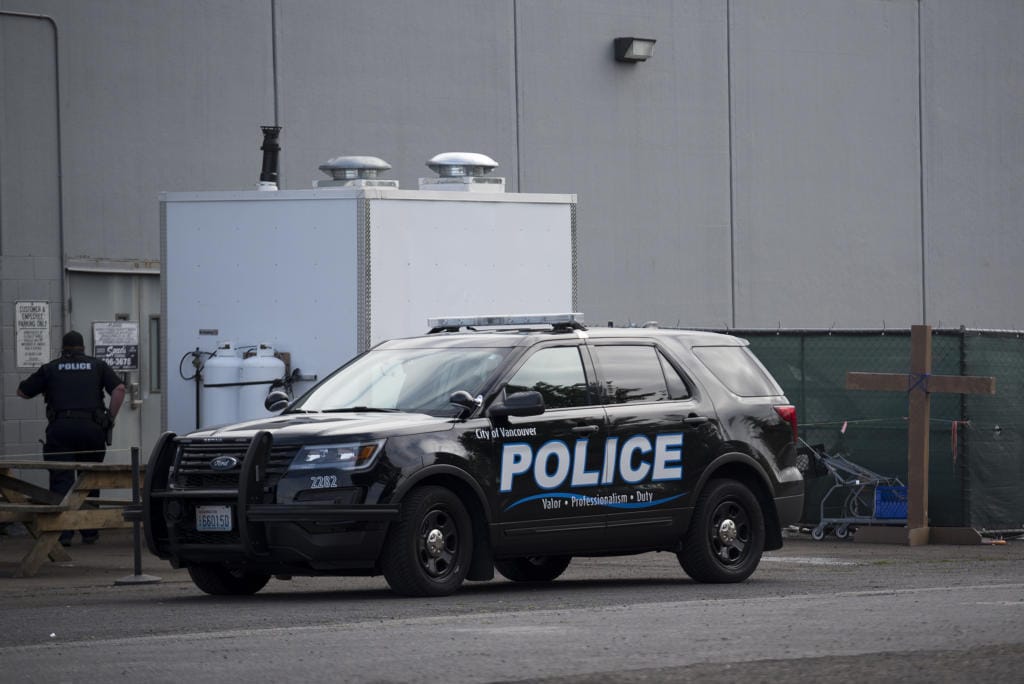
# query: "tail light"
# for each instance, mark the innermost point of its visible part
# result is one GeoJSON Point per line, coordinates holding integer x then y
{"type": "Point", "coordinates": [788, 413]}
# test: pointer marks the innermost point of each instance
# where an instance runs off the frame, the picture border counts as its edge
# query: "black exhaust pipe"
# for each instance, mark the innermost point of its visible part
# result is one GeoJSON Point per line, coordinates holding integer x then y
{"type": "Point", "coordinates": [268, 174]}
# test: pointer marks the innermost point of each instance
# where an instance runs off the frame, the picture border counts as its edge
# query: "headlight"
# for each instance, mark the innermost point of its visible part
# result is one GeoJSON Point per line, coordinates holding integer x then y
{"type": "Point", "coordinates": [343, 456]}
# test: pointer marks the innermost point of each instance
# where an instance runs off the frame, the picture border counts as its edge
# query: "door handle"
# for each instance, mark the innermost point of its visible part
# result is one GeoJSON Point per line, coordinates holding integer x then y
{"type": "Point", "coordinates": [585, 429]}
{"type": "Point", "coordinates": [695, 420]}
{"type": "Point", "coordinates": [134, 395]}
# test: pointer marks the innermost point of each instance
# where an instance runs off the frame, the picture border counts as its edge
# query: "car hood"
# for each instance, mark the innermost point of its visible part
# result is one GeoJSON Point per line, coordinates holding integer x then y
{"type": "Point", "coordinates": [297, 427]}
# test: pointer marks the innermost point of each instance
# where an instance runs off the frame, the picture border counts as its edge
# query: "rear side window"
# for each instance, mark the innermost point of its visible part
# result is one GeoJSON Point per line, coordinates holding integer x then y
{"type": "Point", "coordinates": [638, 373]}
{"type": "Point", "coordinates": [738, 370]}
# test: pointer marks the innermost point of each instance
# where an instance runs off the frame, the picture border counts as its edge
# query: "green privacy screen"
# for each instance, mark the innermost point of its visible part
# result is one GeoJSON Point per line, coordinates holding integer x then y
{"type": "Point", "coordinates": [976, 450]}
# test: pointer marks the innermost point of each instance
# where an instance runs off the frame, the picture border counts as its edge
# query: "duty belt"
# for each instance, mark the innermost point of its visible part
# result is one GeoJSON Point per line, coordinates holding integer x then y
{"type": "Point", "coordinates": [73, 413]}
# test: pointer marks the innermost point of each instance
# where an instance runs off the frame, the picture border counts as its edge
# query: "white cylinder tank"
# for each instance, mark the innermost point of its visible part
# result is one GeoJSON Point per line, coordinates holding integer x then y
{"type": "Point", "coordinates": [262, 367]}
{"type": "Point", "coordinates": [218, 405]}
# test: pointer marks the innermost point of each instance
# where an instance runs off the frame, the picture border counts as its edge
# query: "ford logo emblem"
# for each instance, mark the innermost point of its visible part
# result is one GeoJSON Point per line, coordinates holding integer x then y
{"type": "Point", "coordinates": [224, 463]}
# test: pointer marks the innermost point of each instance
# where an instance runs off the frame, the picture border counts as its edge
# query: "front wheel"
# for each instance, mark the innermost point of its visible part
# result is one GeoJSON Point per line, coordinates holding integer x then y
{"type": "Point", "coordinates": [428, 550]}
{"type": "Point", "coordinates": [532, 568]}
{"type": "Point", "coordinates": [726, 535]}
{"type": "Point", "coordinates": [220, 580]}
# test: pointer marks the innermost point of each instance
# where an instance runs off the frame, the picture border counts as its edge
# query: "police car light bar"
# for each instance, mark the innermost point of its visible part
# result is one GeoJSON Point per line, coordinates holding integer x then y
{"type": "Point", "coordinates": [555, 320]}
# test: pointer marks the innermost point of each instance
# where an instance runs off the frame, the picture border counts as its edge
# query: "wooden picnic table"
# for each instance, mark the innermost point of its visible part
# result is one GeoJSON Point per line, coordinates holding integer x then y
{"type": "Point", "coordinates": [45, 513]}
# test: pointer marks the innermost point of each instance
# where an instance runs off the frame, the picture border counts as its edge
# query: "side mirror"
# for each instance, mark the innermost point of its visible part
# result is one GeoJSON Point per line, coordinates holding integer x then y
{"type": "Point", "coordinates": [519, 404]}
{"type": "Point", "coordinates": [464, 399]}
{"type": "Point", "coordinates": [276, 400]}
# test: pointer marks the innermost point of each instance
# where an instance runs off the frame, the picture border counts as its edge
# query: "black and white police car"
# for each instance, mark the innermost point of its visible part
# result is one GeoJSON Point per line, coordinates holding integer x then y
{"type": "Point", "coordinates": [508, 443]}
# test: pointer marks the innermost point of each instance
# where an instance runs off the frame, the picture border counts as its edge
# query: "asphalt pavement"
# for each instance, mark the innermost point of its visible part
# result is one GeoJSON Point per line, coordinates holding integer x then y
{"type": "Point", "coordinates": [813, 611]}
{"type": "Point", "coordinates": [112, 561]}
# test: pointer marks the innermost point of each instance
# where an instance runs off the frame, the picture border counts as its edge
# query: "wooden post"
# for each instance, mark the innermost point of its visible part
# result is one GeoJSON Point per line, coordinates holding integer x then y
{"type": "Point", "coordinates": [919, 384]}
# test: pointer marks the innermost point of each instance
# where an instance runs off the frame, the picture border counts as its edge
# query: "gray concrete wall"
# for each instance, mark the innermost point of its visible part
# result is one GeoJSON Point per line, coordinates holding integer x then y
{"type": "Point", "coordinates": [775, 138]}
{"type": "Point", "coordinates": [826, 173]}
{"type": "Point", "coordinates": [398, 80]}
{"type": "Point", "coordinates": [973, 131]}
{"type": "Point", "coordinates": [30, 266]}
{"type": "Point", "coordinates": [645, 146]}
{"type": "Point", "coordinates": [157, 96]}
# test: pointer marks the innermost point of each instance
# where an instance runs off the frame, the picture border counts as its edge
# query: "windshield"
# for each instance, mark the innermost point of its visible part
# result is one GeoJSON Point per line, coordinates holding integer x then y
{"type": "Point", "coordinates": [413, 380]}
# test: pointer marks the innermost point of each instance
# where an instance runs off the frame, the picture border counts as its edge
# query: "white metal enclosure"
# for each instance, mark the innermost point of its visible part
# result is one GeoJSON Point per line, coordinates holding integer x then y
{"type": "Point", "coordinates": [324, 274]}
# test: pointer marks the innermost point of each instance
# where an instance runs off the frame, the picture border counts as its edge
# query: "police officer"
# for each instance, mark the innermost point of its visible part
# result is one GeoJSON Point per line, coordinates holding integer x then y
{"type": "Point", "coordinates": [73, 385]}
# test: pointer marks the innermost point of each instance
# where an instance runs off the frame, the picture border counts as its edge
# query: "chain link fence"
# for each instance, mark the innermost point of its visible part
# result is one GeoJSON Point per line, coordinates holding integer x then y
{"type": "Point", "coordinates": [976, 446]}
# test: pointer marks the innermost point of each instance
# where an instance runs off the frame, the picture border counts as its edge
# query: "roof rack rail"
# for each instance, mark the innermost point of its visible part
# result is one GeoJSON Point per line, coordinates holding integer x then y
{"type": "Point", "coordinates": [557, 321]}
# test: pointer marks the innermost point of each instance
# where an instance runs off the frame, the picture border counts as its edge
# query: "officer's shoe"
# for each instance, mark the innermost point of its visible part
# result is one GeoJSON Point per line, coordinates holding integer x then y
{"type": "Point", "coordinates": [92, 539]}
{"type": "Point", "coordinates": [65, 540]}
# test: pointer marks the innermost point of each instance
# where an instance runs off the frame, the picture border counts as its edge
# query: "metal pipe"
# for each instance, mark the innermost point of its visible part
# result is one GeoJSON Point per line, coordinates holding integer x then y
{"type": "Point", "coordinates": [136, 524]}
{"type": "Point", "coordinates": [136, 518]}
{"type": "Point", "coordinates": [271, 149]}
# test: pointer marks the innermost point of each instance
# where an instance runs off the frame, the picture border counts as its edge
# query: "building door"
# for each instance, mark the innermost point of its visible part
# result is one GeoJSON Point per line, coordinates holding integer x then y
{"type": "Point", "coordinates": [104, 298]}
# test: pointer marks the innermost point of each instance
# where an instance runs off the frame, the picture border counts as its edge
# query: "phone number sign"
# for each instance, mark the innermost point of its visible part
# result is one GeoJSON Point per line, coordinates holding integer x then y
{"type": "Point", "coordinates": [117, 343]}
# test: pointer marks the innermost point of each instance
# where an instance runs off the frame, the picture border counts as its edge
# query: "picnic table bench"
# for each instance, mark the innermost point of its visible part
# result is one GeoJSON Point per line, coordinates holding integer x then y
{"type": "Point", "coordinates": [45, 514]}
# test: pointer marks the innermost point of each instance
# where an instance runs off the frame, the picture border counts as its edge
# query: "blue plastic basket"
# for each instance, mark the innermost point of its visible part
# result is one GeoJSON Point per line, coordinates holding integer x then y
{"type": "Point", "coordinates": [890, 502]}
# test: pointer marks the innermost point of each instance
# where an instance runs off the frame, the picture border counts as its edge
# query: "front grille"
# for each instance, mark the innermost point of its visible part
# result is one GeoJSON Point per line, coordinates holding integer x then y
{"type": "Point", "coordinates": [189, 535]}
{"type": "Point", "coordinates": [192, 466]}
{"type": "Point", "coordinates": [192, 473]}
{"type": "Point", "coordinates": [202, 480]}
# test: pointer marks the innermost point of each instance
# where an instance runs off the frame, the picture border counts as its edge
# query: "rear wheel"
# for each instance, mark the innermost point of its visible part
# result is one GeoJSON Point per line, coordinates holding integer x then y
{"type": "Point", "coordinates": [428, 549]}
{"type": "Point", "coordinates": [533, 568]}
{"type": "Point", "coordinates": [726, 536]}
{"type": "Point", "coordinates": [220, 580]}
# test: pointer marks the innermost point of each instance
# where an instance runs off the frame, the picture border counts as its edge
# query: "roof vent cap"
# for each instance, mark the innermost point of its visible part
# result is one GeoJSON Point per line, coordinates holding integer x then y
{"type": "Point", "coordinates": [457, 164]}
{"type": "Point", "coordinates": [463, 172]}
{"type": "Point", "coordinates": [356, 170]}
{"type": "Point", "coordinates": [354, 166]}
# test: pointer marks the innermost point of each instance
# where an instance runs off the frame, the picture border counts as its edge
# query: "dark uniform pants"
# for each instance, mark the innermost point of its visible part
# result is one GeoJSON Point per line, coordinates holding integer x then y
{"type": "Point", "coordinates": [73, 439]}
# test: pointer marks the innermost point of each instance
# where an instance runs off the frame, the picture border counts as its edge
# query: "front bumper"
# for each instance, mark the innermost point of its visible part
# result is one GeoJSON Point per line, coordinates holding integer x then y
{"type": "Point", "coordinates": [294, 538]}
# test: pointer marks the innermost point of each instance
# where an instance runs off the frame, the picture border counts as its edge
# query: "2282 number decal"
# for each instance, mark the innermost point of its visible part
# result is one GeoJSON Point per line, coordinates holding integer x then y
{"type": "Point", "coordinates": [323, 481]}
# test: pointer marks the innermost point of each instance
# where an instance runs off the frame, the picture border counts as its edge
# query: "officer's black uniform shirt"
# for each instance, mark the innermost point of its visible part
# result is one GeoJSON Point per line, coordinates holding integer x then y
{"type": "Point", "coordinates": [73, 382]}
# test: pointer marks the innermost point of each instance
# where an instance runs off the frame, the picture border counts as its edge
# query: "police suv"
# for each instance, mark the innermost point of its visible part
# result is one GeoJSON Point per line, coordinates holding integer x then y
{"type": "Point", "coordinates": [508, 443]}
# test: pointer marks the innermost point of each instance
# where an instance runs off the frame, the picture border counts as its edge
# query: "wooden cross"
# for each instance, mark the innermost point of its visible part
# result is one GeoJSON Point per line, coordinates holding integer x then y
{"type": "Point", "coordinates": [919, 384]}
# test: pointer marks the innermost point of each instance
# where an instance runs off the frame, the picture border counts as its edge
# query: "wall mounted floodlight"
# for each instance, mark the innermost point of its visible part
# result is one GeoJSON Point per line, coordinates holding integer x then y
{"type": "Point", "coordinates": [634, 50]}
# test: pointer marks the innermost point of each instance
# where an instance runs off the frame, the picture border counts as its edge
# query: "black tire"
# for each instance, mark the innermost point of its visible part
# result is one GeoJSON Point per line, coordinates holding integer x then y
{"type": "Point", "coordinates": [223, 581]}
{"type": "Point", "coordinates": [532, 568]}
{"type": "Point", "coordinates": [428, 550]}
{"type": "Point", "coordinates": [726, 535]}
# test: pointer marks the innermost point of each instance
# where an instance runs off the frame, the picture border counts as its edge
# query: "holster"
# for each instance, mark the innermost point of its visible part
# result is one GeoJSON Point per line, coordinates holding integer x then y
{"type": "Point", "coordinates": [106, 423]}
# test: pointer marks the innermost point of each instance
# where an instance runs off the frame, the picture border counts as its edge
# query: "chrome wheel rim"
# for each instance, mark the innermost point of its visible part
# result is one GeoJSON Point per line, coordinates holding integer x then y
{"type": "Point", "coordinates": [730, 533]}
{"type": "Point", "coordinates": [438, 544]}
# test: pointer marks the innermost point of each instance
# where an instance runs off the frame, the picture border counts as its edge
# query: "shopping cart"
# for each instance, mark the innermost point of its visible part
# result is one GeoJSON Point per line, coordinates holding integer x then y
{"type": "Point", "coordinates": [858, 496]}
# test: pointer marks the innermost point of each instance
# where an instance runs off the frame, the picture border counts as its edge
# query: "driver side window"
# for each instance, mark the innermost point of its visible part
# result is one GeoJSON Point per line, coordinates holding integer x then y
{"type": "Point", "coordinates": [557, 373]}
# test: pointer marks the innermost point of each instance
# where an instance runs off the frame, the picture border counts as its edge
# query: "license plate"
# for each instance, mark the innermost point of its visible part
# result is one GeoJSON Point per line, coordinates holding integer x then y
{"type": "Point", "coordinates": [213, 518]}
